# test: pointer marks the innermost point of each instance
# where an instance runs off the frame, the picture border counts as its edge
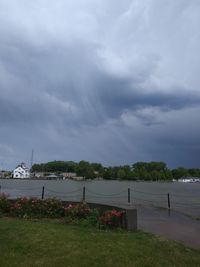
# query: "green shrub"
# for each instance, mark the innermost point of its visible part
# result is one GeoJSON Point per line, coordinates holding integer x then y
{"type": "Point", "coordinates": [53, 208]}
{"type": "Point", "coordinates": [77, 211]}
{"type": "Point", "coordinates": [5, 204]}
{"type": "Point", "coordinates": [21, 207]}
{"type": "Point", "coordinates": [93, 218]}
{"type": "Point", "coordinates": [35, 207]}
{"type": "Point", "coordinates": [111, 219]}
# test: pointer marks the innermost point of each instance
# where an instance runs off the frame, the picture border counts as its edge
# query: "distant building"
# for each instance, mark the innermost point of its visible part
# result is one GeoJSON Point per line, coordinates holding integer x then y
{"type": "Point", "coordinates": [52, 176]}
{"type": "Point", "coordinates": [189, 180]}
{"type": "Point", "coordinates": [5, 174]}
{"type": "Point", "coordinates": [68, 174]}
{"type": "Point", "coordinates": [21, 171]}
{"type": "Point", "coordinates": [39, 174]}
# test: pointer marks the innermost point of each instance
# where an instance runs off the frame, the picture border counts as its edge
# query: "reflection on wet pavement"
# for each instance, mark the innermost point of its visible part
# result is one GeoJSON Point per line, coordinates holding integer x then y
{"type": "Point", "coordinates": [169, 224]}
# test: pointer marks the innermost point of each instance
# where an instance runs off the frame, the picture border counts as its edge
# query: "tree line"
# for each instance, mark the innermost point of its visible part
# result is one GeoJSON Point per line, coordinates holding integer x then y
{"type": "Point", "coordinates": [147, 171]}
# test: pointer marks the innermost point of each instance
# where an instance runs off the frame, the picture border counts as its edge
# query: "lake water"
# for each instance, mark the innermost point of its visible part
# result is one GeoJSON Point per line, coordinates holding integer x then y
{"type": "Point", "coordinates": [184, 197]}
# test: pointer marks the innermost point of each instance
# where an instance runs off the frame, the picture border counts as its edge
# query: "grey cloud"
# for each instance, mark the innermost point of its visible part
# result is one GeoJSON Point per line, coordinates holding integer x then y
{"type": "Point", "coordinates": [98, 80]}
{"type": "Point", "coordinates": [117, 95]}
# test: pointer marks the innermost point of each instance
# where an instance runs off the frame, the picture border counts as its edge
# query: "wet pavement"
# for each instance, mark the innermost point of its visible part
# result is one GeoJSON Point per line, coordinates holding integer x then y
{"type": "Point", "coordinates": [170, 225]}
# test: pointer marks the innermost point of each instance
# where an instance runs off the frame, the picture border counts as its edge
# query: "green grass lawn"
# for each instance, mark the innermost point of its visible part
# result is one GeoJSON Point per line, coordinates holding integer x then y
{"type": "Point", "coordinates": [50, 243]}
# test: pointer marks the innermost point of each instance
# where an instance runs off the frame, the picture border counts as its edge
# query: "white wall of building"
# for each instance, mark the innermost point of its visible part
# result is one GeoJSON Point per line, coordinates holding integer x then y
{"type": "Point", "coordinates": [21, 171]}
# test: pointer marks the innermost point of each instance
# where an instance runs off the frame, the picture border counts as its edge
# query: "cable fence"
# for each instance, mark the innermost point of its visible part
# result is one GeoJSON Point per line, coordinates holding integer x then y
{"type": "Point", "coordinates": [128, 196]}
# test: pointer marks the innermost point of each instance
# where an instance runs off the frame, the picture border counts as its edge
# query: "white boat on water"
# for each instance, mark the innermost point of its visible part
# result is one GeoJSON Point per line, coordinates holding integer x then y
{"type": "Point", "coordinates": [189, 180]}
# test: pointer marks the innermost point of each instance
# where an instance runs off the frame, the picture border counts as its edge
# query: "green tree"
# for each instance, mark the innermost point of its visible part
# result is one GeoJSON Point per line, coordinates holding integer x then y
{"type": "Point", "coordinates": [121, 174]}
{"type": "Point", "coordinates": [180, 172]}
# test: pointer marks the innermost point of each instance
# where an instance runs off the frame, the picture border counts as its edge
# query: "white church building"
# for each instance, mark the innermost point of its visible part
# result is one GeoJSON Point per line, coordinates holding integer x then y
{"type": "Point", "coordinates": [21, 171]}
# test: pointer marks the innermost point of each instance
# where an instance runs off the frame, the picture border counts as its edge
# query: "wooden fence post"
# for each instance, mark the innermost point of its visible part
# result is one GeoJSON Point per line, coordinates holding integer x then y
{"type": "Point", "coordinates": [43, 192]}
{"type": "Point", "coordinates": [129, 196]}
{"type": "Point", "coordinates": [168, 201]}
{"type": "Point", "coordinates": [84, 193]}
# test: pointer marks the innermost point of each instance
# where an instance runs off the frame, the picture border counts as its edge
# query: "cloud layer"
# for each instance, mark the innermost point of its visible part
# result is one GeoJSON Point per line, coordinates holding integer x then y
{"type": "Point", "coordinates": [98, 81]}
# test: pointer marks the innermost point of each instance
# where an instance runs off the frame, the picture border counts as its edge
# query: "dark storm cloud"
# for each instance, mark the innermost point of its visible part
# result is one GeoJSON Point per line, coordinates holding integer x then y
{"type": "Point", "coordinates": [97, 81]}
{"type": "Point", "coordinates": [117, 95]}
{"type": "Point", "coordinates": [65, 83]}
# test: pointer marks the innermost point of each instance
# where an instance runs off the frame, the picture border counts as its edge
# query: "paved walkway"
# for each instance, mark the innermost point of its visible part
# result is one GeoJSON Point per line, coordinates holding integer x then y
{"type": "Point", "coordinates": [170, 225]}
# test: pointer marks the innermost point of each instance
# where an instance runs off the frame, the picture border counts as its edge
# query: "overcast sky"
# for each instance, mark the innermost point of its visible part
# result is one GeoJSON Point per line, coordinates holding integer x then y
{"type": "Point", "coordinates": [110, 81]}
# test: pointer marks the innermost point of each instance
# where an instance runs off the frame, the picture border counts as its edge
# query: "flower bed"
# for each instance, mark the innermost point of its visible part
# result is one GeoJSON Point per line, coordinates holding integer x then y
{"type": "Point", "coordinates": [53, 208]}
{"type": "Point", "coordinates": [111, 218]}
{"type": "Point", "coordinates": [35, 207]}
